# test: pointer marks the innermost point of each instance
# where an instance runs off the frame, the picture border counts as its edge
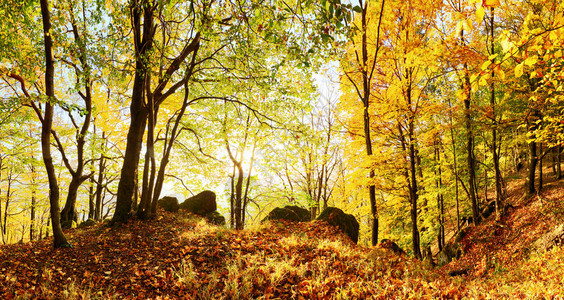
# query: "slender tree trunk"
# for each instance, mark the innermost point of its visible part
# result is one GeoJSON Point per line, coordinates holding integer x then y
{"type": "Point", "coordinates": [246, 195]}
{"type": "Point", "coordinates": [470, 147]}
{"type": "Point", "coordinates": [33, 206]}
{"type": "Point", "coordinates": [99, 184]}
{"type": "Point", "coordinates": [559, 162]}
{"type": "Point", "coordinates": [440, 199]}
{"type": "Point", "coordinates": [32, 215]}
{"type": "Point", "coordinates": [495, 153]}
{"type": "Point", "coordinates": [232, 200]}
{"type": "Point", "coordinates": [69, 214]}
{"type": "Point", "coordinates": [144, 209]}
{"type": "Point", "coordinates": [540, 167]}
{"type": "Point", "coordinates": [455, 167]}
{"type": "Point", "coordinates": [7, 205]}
{"type": "Point", "coordinates": [238, 194]}
{"type": "Point", "coordinates": [553, 156]}
{"type": "Point", "coordinates": [532, 167]}
{"type": "Point", "coordinates": [59, 238]}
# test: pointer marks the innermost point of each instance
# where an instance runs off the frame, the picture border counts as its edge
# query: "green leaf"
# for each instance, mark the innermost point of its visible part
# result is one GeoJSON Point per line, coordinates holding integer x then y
{"type": "Point", "coordinates": [357, 9]}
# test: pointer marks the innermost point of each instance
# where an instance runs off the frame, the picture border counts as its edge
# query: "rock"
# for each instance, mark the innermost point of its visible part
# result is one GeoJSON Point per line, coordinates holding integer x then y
{"type": "Point", "coordinates": [87, 223]}
{"type": "Point", "coordinates": [169, 203]}
{"type": "Point", "coordinates": [458, 272]}
{"type": "Point", "coordinates": [290, 213]}
{"type": "Point", "coordinates": [201, 204]}
{"type": "Point", "coordinates": [303, 214]}
{"type": "Point", "coordinates": [461, 234]}
{"type": "Point", "coordinates": [488, 210]}
{"type": "Point", "coordinates": [443, 259]}
{"type": "Point", "coordinates": [347, 223]}
{"type": "Point", "coordinates": [215, 218]}
{"type": "Point", "coordinates": [551, 239]}
{"type": "Point", "coordinates": [389, 244]}
{"type": "Point", "coordinates": [449, 253]}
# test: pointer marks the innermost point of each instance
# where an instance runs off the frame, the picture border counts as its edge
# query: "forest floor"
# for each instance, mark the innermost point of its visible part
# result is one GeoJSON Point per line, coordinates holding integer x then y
{"type": "Point", "coordinates": [182, 257]}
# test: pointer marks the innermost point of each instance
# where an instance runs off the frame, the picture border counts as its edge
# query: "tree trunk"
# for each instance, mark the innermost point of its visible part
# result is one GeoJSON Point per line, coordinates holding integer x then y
{"type": "Point", "coordinates": [553, 156]}
{"type": "Point", "coordinates": [232, 200]}
{"type": "Point", "coordinates": [559, 162]}
{"type": "Point", "coordinates": [440, 199]}
{"type": "Point", "coordinates": [32, 216]}
{"type": "Point", "coordinates": [144, 43]}
{"type": "Point", "coordinates": [540, 166]}
{"type": "Point", "coordinates": [470, 148]}
{"type": "Point", "coordinates": [533, 159]}
{"type": "Point", "coordinates": [246, 195]}
{"type": "Point", "coordinates": [99, 184]}
{"type": "Point", "coordinates": [238, 194]}
{"type": "Point", "coordinates": [59, 238]}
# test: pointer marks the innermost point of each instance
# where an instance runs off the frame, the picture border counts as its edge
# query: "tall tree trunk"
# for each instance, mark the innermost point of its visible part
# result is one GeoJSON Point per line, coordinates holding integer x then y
{"type": "Point", "coordinates": [238, 194]}
{"type": "Point", "coordinates": [232, 200]}
{"type": "Point", "coordinates": [540, 166]}
{"type": "Point", "coordinates": [59, 238]}
{"type": "Point", "coordinates": [440, 199]}
{"type": "Point", "coordinates": [99, 184]}
{"type": "Point", "coordinates": [559, 162]}
{"type": "Point", "coordinates": [532, 146]}
{"type": "Point", "coordinates": [69, 214]}
{"type": "Point", "coordinates": [470, 146]}
{"type": "Point", "coordinates": [143, 39]}
{"type": "Point", "coordinates": [495, 153]}
{"type": "Point", "coordinates": [413, 172]}
{"type": "Point", "coordinates": [33, 206]}
{"type": "Point", "coordinates": [32, 213]}
{"type": "Point", "coordinates": [366, 86]}
{"type": "Point", "coordinates": [455, 167]}
{"type": "Point", "coordinates": [248, 185]}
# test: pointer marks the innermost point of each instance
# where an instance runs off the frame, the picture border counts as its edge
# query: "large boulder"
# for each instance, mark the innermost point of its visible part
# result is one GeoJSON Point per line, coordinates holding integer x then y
{"type": "Point", "coordinates": [215, 218]}
{"type": "Point", "coordinates": [346, 222]}
{"type": "Point", "coordinates": [449, 253]}
{"type": "Point", "coordinates": [201, 204]}
{"type": "Point", "coordinates": [290, 213]}
{"type": "Point", "coordinates": [488, 210]}
{"type": "Point", "coordinates": [389, 244]}
{"type": "Point", "coordinates": [169, 203]}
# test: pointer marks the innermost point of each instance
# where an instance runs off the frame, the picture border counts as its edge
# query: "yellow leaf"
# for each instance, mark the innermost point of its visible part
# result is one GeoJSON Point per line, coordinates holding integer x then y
{"type": "Point", "coordinates": [531, 60]}
{"type": "Point", "coordinates": [519, 70]}
{"type": "Point", "coordinates": [486, 65]}
{"type": "Point", "coordinates": [480, 12]}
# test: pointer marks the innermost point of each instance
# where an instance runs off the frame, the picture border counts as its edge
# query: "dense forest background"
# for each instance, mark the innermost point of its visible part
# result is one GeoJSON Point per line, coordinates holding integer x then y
{"type": "Point", "coordinates": [411, 115]}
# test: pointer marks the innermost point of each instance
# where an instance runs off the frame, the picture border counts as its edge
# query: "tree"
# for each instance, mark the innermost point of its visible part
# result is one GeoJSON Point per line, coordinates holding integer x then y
{"type": "Point", "coordinates": [47, 122]}
{"type": "Point", "coordinates": [360, 76]}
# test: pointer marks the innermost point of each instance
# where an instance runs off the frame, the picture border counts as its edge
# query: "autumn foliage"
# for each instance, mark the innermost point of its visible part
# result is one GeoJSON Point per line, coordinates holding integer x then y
{"type": "Point", "coordinates": [178, 256]}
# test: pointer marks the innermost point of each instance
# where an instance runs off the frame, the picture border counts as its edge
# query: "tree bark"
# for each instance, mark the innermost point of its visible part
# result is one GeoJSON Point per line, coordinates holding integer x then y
{"type": "Point", "coordinates": [540, 166]}
{"type": "Point", "coordinates": [59, 238]}
{"type": "Point", "coordinates": [498, 178]}
{"type": "Point", "coordinates": [143, 39]}
{"type": "Point", "coordinates": [99, 184]}
{"type": "Point", "coordinates": [559, 162]}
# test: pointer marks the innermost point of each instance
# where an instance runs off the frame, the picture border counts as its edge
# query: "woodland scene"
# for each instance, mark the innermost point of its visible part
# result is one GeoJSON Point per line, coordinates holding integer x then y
{"type": "Point", "coordinates": [281, 149]}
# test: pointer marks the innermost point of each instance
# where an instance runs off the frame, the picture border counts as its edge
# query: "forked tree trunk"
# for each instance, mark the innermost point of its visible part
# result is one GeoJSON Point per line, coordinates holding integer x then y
{"type": "Point", "coordinates": [143, 34]}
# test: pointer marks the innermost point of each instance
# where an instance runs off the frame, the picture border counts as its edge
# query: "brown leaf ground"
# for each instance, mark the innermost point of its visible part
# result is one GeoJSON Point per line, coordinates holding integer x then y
{"type": "Point", "coordinates": [182, 257]}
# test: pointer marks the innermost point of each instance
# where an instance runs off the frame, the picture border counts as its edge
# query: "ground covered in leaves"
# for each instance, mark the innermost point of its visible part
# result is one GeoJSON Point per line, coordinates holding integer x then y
{"type": "Point", "coordinates": [183, 257]}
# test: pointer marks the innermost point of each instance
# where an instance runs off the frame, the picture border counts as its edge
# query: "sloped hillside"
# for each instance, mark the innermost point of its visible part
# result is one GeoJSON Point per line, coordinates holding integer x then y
{"type": "Point", "coordinates": [182, 257]}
